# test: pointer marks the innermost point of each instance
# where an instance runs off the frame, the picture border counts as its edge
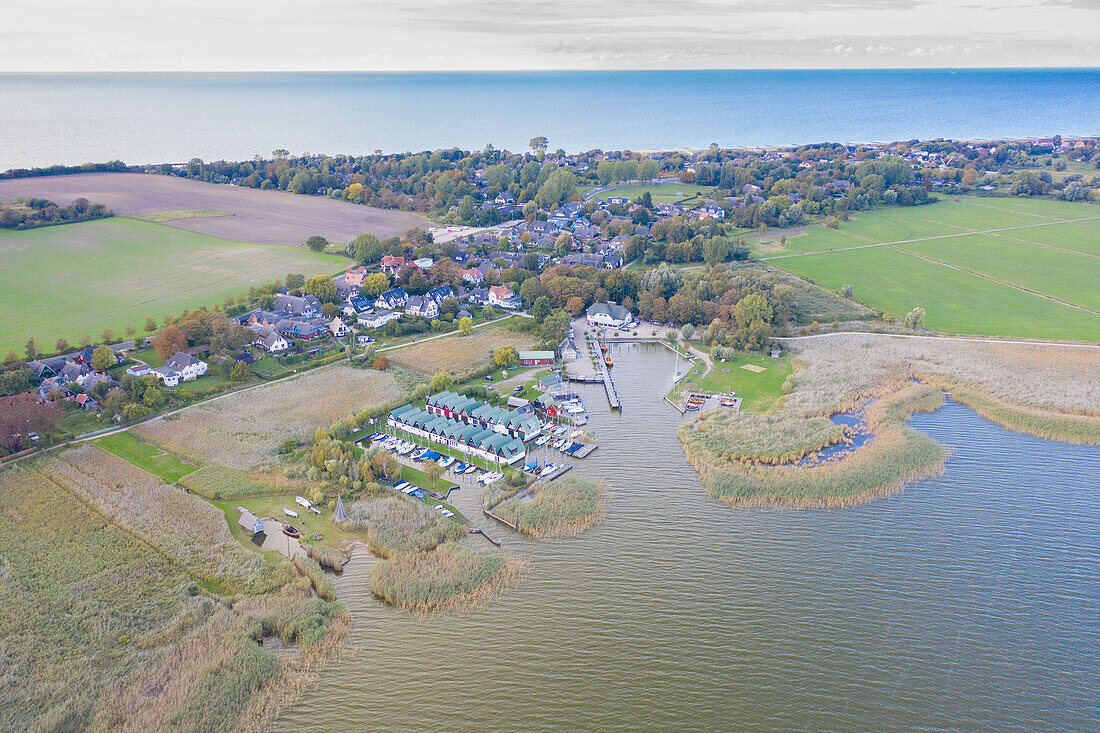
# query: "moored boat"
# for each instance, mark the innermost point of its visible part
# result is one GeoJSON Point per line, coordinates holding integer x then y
{"type": "Point", "coordinates": [291, 531]}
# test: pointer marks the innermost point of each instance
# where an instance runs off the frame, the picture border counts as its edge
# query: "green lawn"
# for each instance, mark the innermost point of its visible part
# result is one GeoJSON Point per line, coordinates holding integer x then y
{"type": "Point", "coordinates": [146, 456]}
{"type": "Point", "coordinates": [662, 192]}
{"type": "Point", "coordinates": [117, 271]}
{"type": "Point", "coordinates": [758, 390]}
{"type": "Point", "coordinates": [1024, 258]}
{"type": "Point", "coordinates": [182, 214]}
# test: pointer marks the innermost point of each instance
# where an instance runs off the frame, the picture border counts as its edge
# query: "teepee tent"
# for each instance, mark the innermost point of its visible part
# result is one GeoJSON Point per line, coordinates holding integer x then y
{"type": "Point", "coordinates": [341, 514]}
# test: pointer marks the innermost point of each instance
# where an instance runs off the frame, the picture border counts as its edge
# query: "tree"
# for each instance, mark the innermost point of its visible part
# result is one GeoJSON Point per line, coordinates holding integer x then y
{"type": "Point", "coordinates": [374, 285]}
{"type": "Point", "coordinates": [240, 372]}
{"type": "Point", "coordinates": [107, 336]}
{"type": "Point", "coordinates": [317, 243]}
{"type": "Point", "coordinates": [555, 326]}
{"type": "Point", "coordinates": [441, 382]}
{"type": "Point", "coordinates": [153, 398]}
{"type": "Point", "coordinates": [506, 356]}
{"type": "Point", "coordinates": [295, 281]}
{"type": "Point", "coordinates": [62, 346]}
{"type": "Point", "coordinates": [847, 291]}
{"type": "Point", "coordinates": [539, 145]}
{"type": "Point", "coordinates": [169, 341]}
{"type": "Point", "coordinates": [321, 287]}
{"type": "Point", "coordinates": [130, 330]}
{"type": "Point", "coordinates": [752, 308]}
{"type": "Point", "coordinates": [381, 364]}
{"type": "Point", "coordinates": [914, 319]}
{"type": "Point", "coordinates": [433, 471]}
{"type": "Point", "coordinates": [103, 359]}
{"type": "Point", "coordinates": [150, 324]}
{"type": "Point", "coordinates": [541, 308]}
{"type": "Point", "coordinates": [21, 415]}
{"type": "Point", "coordinates": [688, 330]}
{"type": "Point", "coordinates": [466, 325]}
{"type": "Point", "coordinates": [575, 305]}
{"type": "Point", "coordinates": [31, 349]}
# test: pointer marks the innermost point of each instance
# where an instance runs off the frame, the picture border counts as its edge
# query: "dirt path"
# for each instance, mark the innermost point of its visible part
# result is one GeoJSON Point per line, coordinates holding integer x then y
{"type": "Point", "coordinates": [978, 339]}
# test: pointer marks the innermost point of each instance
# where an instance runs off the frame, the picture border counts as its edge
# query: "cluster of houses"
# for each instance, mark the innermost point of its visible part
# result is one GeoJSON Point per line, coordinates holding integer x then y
{"type": "Point", "coordinates": [468, 425]}
{"type": "Point", "coordinates": [71, 376]}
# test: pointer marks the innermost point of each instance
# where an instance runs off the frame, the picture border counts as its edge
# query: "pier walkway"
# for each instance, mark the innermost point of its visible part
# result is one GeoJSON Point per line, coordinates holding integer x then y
{"type": "Point", "coordinates": [602, 372]}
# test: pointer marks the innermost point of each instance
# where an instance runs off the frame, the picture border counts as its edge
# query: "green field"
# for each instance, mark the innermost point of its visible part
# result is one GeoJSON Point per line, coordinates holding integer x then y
{"type": "Point", "coordinates": [143, 455]}
{"type": "Point", "coordinates": [758, 390]}
{"type": "Point", "coordinates": [663, 192]}
{"type": "Point", "coordinates": [976, 265]}
{"type": "Point", "coordinates": [78, 279]}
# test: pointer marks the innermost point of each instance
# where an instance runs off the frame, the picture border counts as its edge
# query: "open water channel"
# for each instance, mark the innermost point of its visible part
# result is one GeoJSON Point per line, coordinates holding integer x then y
{"type": "Point", "coordinates": [969, 601]}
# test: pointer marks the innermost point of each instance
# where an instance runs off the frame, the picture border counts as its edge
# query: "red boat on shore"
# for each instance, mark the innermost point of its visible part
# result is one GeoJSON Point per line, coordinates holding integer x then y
{"type": "Point", "coordinates": [291, 531]}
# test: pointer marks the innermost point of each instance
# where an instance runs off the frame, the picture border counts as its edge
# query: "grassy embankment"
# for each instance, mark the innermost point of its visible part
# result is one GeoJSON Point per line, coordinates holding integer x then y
{"type": "Point", "coordinates": [152, 459]}
{"type": "Point", "coordinates": [134, 269]}
{"type": "Point", "coordinates": [976, 265]}
{"type": "Point", "coordinates": [759, 390]}
{"type": "Point", "coordinates": [108, 620]}
{"type": "Point", "coordinates": [567, 506]}
{"type": "Point", "coordinates": [746, 459]}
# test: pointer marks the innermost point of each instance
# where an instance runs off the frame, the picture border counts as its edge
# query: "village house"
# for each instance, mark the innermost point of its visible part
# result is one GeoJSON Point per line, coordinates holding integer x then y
{"type": "Point", "coordinates": [378, 318]}
{"type": "Point", "coordinates": [418, 305]}
{"type": "Point", "coordinates": [338, 328]}
{"type": "Point", "coordinates": [187, 366]}
{"type": "Point", "coordinates": [269, 339]}
{"type": "Point", "coordinates": [355, 276]}
{"type": "Point", "coordinates": [502, 296]}
{"type": "Point", "coordinates": [394, 299]}
{"type": "Point", "coordinates": [536, 358]}
{"type": "Point", "coordinates": [608, 315]}
{"type": "Point", "coordinates": [567, 350]}
{"type": "Point", "coordinates": [305, 306]}
{"type": "Point", "coordinates": [391, 264]}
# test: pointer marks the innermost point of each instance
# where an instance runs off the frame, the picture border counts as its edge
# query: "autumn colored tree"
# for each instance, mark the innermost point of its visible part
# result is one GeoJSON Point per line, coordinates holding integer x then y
{"type": "Point", "coordinates": [21, 415]}
{"type": "Point", "coordinates": [103, 358]}
{"type": "Point", "coordinates": [466, 325]}
{"type": "Point", "coordinates": [381, 364]}
{"type": "Point", "coordinates": [169, 341]}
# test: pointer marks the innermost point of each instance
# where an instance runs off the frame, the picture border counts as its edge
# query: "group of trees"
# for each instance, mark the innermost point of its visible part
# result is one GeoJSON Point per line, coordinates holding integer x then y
{"type": "Point", "coordinates": [36, 212]}
{"type": "Point", "coordinates": [201, 327]}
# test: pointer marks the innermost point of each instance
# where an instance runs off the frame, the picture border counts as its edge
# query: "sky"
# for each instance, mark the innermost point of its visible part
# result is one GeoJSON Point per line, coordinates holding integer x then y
{"type": "Point", "coordinates": [466, 35]}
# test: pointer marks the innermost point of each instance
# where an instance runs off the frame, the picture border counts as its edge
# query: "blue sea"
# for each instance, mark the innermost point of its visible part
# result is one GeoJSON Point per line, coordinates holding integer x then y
{"type": "Point", "coordinates": [149, 118]}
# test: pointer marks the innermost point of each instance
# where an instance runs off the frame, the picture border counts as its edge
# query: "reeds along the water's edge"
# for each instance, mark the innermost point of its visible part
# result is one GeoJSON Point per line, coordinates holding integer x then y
{"type": "Point", "coordinates": [449, 578]}
{"type": "Point", "coordinates": [567, 506]}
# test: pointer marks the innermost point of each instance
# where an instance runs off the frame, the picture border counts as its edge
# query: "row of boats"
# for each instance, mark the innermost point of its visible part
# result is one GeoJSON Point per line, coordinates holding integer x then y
{"type": "Point", "coordinates": [403, 447]}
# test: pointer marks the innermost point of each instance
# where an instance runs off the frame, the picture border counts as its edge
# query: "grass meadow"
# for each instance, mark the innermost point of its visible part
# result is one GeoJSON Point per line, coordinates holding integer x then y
{"type": "Point", "coordinates": [459, 354]}
{"type": "Point", "coordinates": [758, 390]}
{"type": "Point", "coordinates": [663, 192]}
{"type": "Point", "coordinates": [243, 430]}
{"type": "Point", "coordinates": [968, 279]}
{"type": "Point", "coordinates": [78, 279]}
{"type": "Point", "coordinates": [152, 459]}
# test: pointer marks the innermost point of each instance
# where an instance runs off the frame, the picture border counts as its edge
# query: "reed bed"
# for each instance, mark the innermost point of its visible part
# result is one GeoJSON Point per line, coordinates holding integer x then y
{"type": "Point", "coordinates": [895, 456]}
{"type": "Point", "coordinates": [100, 630]}
{"type": "Point", "coordinates": [218, 482]}
{"type": "Point", "coordinates": [396, 524]}
{"type": "Point", "coordinates": [311, 569]}
{"type": "Point", "coordinates": [329, 558]}
{"type": "Point", "coordinates": [244, 430]}
{"type": "Point", "coordinates": [567, 506]}
{"type": "Point", "coordinates": [765, 438]}
{"type": "Point", "coordinates": [448, 578]}
{"type": "Point", "coordinates": [1064, 378]}
{"type": "Point", "coordinates": [1070, 427]}
{"type": "Point", "coordinates": [461, 354]}
{"type": "Point", "coordinates": [188, 529]}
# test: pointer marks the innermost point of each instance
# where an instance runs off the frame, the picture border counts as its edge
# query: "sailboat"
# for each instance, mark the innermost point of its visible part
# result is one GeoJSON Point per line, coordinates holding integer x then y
{"type": "Point", "coordinates": [679, 374]}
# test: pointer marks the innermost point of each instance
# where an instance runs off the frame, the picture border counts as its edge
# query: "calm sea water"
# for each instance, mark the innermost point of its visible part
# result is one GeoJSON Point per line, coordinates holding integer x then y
{"type": "Point", "coordinates": [969, 602]}
{"type": "Point", "coordinates": [152, 118]}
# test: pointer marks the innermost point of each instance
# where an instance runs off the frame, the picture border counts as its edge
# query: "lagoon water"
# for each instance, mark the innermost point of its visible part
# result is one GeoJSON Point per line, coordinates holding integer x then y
{"type": "Point", "coordinates": [970, 601]}
{"type": "Point", "coordinates": [47, 119]}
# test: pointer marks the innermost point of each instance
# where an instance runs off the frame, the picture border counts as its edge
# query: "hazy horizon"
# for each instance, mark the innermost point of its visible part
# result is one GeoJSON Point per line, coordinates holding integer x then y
{"type": "Point", "coordinates": [490, 35]}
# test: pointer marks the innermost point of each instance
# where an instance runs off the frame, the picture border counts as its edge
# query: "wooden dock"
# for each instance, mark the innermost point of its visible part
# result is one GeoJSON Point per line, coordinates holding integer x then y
{"type": "Point", "coordinates": [588, 448]}
{"type": "Point", "coordinates": [603, 373]}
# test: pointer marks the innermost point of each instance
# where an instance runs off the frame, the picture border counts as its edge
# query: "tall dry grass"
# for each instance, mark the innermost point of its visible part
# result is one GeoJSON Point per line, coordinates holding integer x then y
{"type": "Point", "coordinates": [101, 630]}
{"type": "Point", "coordinates": [567, 506]}
{"type": "Point", "coordinates": [396, 524]}
{"type": "Point", "coordinates": [461, 354]}
{"type": "Point", "coordinates": [245, 429]}
{"type": "Point", "coordinates": [188, 529]}
{"type": "Point", "coordinates": [449, 577]}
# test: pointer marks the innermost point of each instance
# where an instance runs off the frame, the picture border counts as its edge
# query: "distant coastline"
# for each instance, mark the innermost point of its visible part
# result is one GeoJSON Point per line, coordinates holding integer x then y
{"type": "Point", "coordinates": [157, 117]}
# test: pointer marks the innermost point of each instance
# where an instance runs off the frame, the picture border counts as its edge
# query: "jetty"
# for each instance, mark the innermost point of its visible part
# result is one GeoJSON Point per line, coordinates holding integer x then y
{"type": "Point", "coordinates": [603, 373]}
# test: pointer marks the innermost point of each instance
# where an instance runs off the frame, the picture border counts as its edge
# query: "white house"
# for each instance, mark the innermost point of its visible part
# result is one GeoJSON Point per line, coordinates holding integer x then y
{"type": "Point", "coordinates": [338, 328]}
{"type": "Point", "coordinates": [170, 377]}
{"type": "Point", "coordinates": [418, 305]}
{"type": "Point", "coordinates": [187, 366]}
{"type": "Point", "coordinates": [269, 339]}
{"type": "Point", "coordinates": [608, 314]}
{"type": "Point", "coordinates": [378, 318]}
{"type": "Point", "coordinates": [502, 296]}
